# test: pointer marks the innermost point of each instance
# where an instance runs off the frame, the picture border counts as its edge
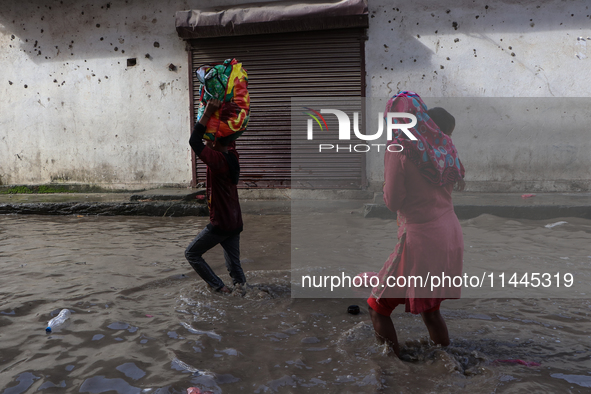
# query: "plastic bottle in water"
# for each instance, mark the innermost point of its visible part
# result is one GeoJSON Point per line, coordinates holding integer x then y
{"type": "Point", "coordinates": [57, 321]}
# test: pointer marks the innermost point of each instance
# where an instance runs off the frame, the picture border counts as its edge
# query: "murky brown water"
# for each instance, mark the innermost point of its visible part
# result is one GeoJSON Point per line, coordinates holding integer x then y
{"type": "Point", "coordinates": [143, 322]}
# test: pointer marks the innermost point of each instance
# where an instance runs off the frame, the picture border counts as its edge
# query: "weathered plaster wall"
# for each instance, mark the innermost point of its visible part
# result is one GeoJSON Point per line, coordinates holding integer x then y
{"type": "Point", "coordinates": [491, 49]}
{"type": "Point", "coordinates": [74, 111]}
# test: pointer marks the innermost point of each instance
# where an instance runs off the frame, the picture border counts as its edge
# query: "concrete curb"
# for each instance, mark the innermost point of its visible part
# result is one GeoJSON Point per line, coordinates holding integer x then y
{"type": "Point", "coordinates": [106, 209]}
{"type": "Point", "coordinates": [534, 212]}
{"type": "Point", "coordinates": [170, 195]}
{"type": "Point", "coordinates": [191, 202]}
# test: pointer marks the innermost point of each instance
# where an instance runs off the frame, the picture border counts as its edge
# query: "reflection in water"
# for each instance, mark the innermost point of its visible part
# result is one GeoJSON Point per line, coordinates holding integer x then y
{"type": "Point", "coordinates": [143, 322]}
{"type": "Point", "coordinates": [100, 384]}
{"type": "Point", "coordinates": [24, 381]}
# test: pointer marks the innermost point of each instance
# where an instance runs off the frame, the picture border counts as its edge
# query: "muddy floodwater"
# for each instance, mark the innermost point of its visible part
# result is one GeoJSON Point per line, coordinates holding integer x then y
{"type": "Point", "coordinates": [143, 322]}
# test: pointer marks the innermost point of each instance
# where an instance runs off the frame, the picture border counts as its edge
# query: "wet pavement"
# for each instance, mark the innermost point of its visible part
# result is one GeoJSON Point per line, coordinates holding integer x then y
{"type": "Point", "coordinates": [142, 321]}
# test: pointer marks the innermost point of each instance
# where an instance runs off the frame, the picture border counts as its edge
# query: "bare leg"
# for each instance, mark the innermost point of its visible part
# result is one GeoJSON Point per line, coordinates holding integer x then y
{"type": "Point", "coordinates": [437, 327]}
{"type": "Point", "coordinates": [385, 331]}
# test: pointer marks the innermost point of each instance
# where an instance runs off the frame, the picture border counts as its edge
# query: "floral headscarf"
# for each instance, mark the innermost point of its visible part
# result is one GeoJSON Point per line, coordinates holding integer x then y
{"type": "Point", "coordinates": [433, 152]}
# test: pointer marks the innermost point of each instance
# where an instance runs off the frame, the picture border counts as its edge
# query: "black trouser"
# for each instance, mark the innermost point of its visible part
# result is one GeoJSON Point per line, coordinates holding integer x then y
{"type": "Point", "coordinates": [206, 240]}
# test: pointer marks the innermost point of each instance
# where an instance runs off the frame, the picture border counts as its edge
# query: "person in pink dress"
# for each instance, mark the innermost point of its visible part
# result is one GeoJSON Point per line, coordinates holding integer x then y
{"type": "Point", "coordinates": [418, 186]}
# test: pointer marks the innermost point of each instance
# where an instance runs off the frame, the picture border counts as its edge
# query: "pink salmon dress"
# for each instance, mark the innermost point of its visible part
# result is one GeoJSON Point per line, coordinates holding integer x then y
{"type": "Point", "coordinates": [430, 240]}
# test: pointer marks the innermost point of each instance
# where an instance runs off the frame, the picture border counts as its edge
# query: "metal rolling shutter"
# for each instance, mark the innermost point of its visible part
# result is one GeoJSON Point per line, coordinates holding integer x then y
{"type": "Point", "coordinates": [327, 63]}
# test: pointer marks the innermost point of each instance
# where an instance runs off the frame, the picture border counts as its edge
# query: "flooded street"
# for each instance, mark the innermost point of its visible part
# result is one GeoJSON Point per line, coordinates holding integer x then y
{"type": "Point", "coordinates": [143, 322]}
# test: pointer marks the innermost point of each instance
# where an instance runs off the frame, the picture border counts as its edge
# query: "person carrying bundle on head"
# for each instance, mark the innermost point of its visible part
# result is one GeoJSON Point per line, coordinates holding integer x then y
{"type": "Point", "coordinates": [222, 117]}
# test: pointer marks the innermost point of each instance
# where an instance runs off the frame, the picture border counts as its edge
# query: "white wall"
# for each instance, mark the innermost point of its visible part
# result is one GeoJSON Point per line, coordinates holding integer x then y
{"type": "Point", "coordinates": [494, 49]}
{"type": "Point", "coordinates": [87, 118]}
{"type": "Point", "coordinates": [72, 111]}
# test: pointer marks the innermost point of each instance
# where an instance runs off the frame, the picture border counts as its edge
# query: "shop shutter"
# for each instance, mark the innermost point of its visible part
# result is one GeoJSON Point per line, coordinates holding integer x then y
{"type": "Point", "coordinates": [327, 63]}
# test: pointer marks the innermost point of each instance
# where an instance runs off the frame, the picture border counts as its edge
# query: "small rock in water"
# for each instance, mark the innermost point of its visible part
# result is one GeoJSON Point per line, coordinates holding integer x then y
{"type": "Point", "coordinates": [353, 309]}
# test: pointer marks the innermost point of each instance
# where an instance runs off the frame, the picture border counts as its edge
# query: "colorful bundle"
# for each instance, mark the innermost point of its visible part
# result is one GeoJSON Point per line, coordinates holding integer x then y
{"type": "Point", "coordinates": [227, 82]}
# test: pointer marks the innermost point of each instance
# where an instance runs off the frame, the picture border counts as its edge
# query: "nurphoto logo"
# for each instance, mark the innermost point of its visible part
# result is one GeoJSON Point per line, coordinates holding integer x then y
{"type": "Point", "coordinates": [392, 120]}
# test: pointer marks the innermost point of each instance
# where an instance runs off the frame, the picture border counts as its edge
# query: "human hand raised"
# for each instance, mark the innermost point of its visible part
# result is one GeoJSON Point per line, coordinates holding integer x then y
{"type": "Point", "coordinates": [212, 106]}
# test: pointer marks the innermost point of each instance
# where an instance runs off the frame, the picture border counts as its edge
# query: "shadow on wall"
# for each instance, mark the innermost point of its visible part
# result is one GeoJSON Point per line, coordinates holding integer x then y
{"type": "Point", "coordinates": [71, 30]}
{"type": "Point", "coordinates": [398, 31]}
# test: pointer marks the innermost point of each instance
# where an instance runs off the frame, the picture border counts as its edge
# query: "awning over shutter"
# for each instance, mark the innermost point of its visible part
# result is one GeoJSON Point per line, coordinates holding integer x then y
{"type": "Point", "coordinates": [272, 17]}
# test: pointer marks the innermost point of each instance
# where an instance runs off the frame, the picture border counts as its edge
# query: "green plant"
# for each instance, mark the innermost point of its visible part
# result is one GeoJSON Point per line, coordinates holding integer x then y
{"type": "Point", "coordinates": [42, 189]}
{"type": "Point", "coordinates": [17, 190]}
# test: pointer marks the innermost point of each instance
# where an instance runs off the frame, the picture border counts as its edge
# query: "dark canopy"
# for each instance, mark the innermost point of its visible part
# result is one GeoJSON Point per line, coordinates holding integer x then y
{"type": "Point", "coordinates": [272, 17]}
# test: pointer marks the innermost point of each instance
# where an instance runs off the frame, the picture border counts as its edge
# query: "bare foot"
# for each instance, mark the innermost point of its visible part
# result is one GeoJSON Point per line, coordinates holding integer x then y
{"type": "Point", "coordinates": [225, 290]}
{"type": "Point", "coordinates": [437, 327]}
{"type": "Point", "coordinates": [385, 331]}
